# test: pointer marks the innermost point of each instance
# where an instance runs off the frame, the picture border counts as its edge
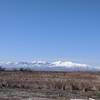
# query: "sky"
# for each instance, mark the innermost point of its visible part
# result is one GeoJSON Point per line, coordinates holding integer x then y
{"type": "Point", "coordinates": [50, 30]}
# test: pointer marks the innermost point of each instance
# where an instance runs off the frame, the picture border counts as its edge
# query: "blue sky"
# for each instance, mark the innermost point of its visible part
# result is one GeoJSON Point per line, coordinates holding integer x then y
{"type": "Point", "coordinates": [50, 29]}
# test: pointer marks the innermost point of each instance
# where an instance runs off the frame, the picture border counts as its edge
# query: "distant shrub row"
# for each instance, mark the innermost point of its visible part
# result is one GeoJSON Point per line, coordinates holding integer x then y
{"type": "Point", "coordinates": [15, 69]}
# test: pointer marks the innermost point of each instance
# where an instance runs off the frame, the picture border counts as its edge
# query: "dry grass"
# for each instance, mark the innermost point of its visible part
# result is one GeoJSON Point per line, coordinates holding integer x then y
{"type": "Point", "coordinates": [51, 85]}
{"type": "Point", "coordinates": [50, 80]}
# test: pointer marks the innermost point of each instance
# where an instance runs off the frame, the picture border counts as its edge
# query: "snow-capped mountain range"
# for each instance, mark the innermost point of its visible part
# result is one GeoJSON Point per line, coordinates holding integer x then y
{"type": "Point", "coordinates": [49, 66]}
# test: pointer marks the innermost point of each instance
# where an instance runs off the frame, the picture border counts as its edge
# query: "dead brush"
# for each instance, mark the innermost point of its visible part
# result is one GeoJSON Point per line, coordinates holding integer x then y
{"type": "Point", "coordinates": [81, 85]}
{"type": "Point", "coordinates": [58, 84]}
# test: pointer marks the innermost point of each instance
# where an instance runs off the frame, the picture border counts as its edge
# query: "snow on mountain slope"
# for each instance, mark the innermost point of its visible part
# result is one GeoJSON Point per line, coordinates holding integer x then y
{"type": "Point", "coordinates": [68, 64]}
{"type": "Point", "coordinates": [49, 66]}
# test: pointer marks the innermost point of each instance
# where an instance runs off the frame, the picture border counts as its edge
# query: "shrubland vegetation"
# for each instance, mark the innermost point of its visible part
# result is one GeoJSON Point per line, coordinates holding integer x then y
{"type": "Point", "coordinates": [25, 78]}
{"type": "Point", "coordinates": [61, 84]}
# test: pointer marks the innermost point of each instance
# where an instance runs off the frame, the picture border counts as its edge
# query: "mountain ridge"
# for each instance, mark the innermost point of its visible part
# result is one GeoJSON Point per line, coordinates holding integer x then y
{"type": "Point", "coordinates": [58, 65]}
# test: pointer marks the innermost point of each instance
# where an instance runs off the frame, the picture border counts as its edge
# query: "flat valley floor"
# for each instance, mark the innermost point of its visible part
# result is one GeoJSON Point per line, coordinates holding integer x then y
{"type": "Point", "coordinates": [26, 85]}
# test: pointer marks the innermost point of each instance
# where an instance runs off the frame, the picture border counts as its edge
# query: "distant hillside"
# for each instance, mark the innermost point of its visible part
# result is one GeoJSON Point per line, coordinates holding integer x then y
{"type": "Point", "coordinates": [47, 66]}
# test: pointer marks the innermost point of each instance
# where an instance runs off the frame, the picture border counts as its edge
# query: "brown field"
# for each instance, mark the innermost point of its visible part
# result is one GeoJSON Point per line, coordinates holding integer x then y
{"type": "Point", "coordinates": [24, 85]}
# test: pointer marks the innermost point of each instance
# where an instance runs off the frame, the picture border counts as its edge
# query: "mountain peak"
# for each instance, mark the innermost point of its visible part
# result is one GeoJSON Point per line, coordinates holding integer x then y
{"type": "Point", "coordinates": [68, 64]}
{"type": "Point", "coordinates": [60, 65]}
